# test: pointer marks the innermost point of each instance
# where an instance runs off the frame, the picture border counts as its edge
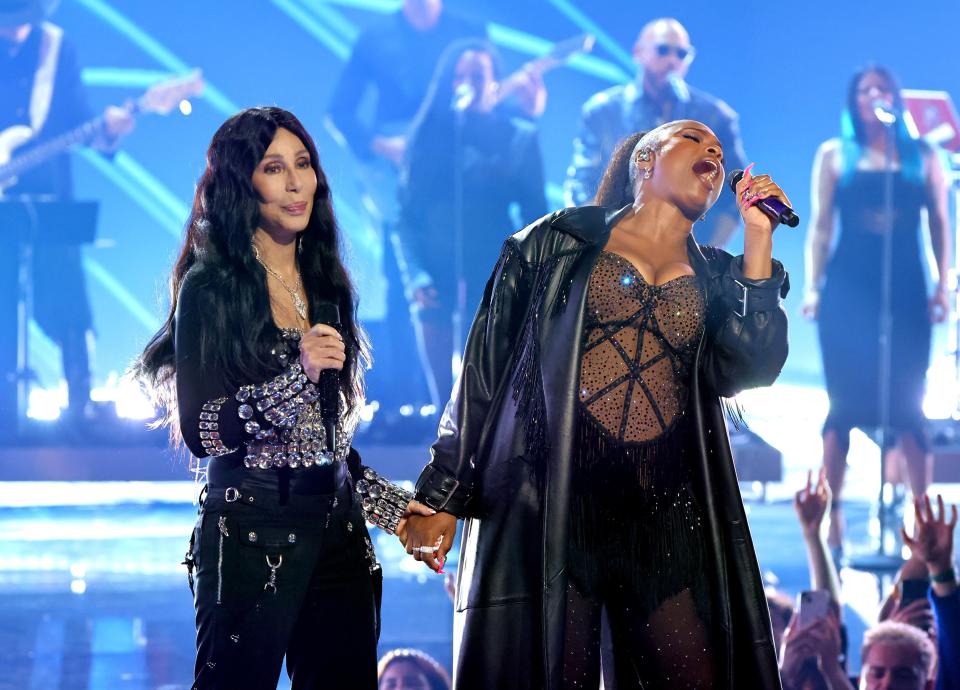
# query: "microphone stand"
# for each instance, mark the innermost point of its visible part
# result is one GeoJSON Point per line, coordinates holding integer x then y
{"type": "Point", "coordinates": [955, 277]}
{"type": "Point", "coordinates": [885, 510]}
{"type": "Point", "coordinates": [459, 311]}
{"type": "Point", "coordinates": [885, 561]}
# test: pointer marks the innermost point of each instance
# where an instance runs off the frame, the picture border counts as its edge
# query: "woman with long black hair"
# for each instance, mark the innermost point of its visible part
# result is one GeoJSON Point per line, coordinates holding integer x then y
{"type": "Point", "coordinates": [280, 560]}
{"type": "Point", "coordinates": [467, 162]}
{"type": "Point", "coordinates": [844, 280]}
{"type": "Point", "coordinates": [585, 443]}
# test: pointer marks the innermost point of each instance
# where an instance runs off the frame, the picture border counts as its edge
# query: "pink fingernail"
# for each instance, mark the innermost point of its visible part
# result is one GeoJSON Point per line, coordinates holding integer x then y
{"type": "Point", "coordinates": [747, 170]}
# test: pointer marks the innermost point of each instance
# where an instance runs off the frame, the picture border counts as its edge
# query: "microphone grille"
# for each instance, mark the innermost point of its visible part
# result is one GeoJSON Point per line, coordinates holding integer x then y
{"type": "Point", "coordinates": [733, 179]}
{"type": "Point", "coordinates": [328, 313]}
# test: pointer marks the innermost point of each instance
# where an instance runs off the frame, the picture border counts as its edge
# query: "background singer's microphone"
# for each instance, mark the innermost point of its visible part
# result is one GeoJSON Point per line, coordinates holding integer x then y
{"type": "Point", "coordinates": [884, 112]}
{"type": "Point", "coordinates": [329, 382]}
{"type": "Point", "coordinates": [680, 89]}
{"type": "Point", "coordinates": [772, 206]}
{"type": "Point", "coordinates": [463, 97]}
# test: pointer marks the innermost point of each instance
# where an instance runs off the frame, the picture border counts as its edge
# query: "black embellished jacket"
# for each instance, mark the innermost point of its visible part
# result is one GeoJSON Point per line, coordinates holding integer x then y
{"type": "Point", "coordinates": [504, 453]}
{"type": "Point", "coordinates": [270, 424]}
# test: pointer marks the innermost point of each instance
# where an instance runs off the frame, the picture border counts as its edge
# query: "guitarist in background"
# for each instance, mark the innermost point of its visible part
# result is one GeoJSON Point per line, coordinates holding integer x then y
{"type": "Point", "coordinates": [460, 138]}
{"type": "Point", "coordinates": [659, 94]}
{"type": "Point", "coordinates": [380, 90]}
{"type": "Point", "coordinates": [40, 87]}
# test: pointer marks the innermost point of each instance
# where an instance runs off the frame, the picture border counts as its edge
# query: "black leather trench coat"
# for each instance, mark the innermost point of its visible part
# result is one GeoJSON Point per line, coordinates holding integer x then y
{"type": "Point", "coordinates": [503, 457]}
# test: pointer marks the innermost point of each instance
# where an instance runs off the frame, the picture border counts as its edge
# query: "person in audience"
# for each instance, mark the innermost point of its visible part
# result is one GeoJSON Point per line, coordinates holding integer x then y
{"type": "Point", "coordinates": [813, 655]}
{"type": "Point", "coordinates": [897, 655]}
{"type": "Point", "coordinates": [812, 504]}
{"type": "Point", "coordinates": [781, 613]}
{"type": "Point", "coordinates": [933, 545]}
{"type": "Point", "coordinates": [411, 669]}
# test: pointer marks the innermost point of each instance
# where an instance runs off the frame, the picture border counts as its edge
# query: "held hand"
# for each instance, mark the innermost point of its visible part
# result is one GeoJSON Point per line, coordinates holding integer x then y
{"type": "Point", "coordinates": [812, 503]}
{"type": "Point", "coordinates": [413, 508]}
{"type": "Point", "coordinates": [810, 309]}
{"type": "Point", "coordinates": [750, 191]}
{"type": "Point", "coordinates": [939, 306]}
{"type": "Point", "coordinates": [430, 538]}
{"type": "Point", "coordinates": [321, 348]}
{"type": "Point", "coordinates": [933, 542]}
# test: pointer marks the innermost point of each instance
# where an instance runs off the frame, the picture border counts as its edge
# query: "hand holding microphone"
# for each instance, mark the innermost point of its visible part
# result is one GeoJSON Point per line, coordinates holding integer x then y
{"type": "Point", "coordinates": [762, 203]}
{"type": "Point", "coordinates": [763, 206]}
{"type": "Point", "coordinates": [321, 348]}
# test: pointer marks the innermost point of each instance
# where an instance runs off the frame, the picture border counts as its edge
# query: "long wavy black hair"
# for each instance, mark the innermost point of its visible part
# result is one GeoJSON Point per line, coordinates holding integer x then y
{"type": "Point", "coordinates": [431, 134]}
{"type": "Point", "coordinates": [229, 282]}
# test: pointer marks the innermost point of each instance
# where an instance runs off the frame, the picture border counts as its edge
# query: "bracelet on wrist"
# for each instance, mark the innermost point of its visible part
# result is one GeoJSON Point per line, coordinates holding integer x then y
{"type": "Point", "coordinates": [944, 576]}
{"type": "Point", "coordinates": [382, 502]}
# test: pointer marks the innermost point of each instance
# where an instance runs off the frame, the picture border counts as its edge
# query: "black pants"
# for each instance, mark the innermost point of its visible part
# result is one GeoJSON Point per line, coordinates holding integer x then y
{"type": "Point", "coordinates": [284, 574]}
{"type": "Point", "coordinates": [62, 310]}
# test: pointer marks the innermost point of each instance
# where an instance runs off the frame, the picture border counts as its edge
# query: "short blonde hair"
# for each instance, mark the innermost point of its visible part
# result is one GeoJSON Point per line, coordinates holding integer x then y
{"type": "Point", "coordinates": [895, 633]}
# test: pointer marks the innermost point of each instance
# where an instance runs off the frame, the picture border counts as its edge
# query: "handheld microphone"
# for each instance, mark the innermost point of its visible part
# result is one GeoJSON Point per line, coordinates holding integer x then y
{"type": "Point", "coordinates": [680, 89]}
{"type": "Point", "coordinates": [329, 383]}
{"type": "Point", "coordinates": [884, 112]}
{"type": "Point", "coordinates": [772, 206]}
{"type": "Point", "coordinates": [463, 97]}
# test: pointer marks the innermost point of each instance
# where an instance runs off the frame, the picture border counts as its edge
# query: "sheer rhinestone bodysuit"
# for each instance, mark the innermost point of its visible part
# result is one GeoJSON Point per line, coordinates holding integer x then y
{"type": "Point", "coordinates": [636, 547]}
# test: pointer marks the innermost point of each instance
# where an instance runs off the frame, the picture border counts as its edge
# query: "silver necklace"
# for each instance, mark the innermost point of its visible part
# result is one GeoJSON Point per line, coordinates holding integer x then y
{"type": "Point", "coordinates": [298, 304]}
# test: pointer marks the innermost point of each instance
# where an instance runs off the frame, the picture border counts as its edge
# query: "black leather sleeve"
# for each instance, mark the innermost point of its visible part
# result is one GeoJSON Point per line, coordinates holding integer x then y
{"type": "Point", "coordinates": [746, 344]}
{"type": "Point", "coordinates": [445, 483]}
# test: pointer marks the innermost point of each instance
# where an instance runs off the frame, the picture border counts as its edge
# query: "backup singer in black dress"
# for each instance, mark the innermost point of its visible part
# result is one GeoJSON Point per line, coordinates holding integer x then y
{"type": "Point", "coordinates": [585, 442]}
{"type": "Point", "coordinates": [283, 562]}
{"type": "Point", "coordinates": [843, 290]}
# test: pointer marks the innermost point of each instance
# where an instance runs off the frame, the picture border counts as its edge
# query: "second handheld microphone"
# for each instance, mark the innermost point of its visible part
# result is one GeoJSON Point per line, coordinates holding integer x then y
{"type": "Point", "coordinates": [329, 383]}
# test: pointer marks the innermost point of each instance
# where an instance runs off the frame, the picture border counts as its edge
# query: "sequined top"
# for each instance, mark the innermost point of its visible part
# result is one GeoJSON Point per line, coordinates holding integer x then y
{"type": "Point", "coordinates": [274, 425]}
{"type": "Point", "coordinates": [279, 420]}
{"type": "Point", "coordinates": [640, 343]}
{"type": "Point", "coordinates": [268, 423]}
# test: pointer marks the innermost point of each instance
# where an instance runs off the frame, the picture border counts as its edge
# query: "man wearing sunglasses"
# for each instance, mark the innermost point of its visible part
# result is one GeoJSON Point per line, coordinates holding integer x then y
{"type": "Point", "coordinates": [659, 94]}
